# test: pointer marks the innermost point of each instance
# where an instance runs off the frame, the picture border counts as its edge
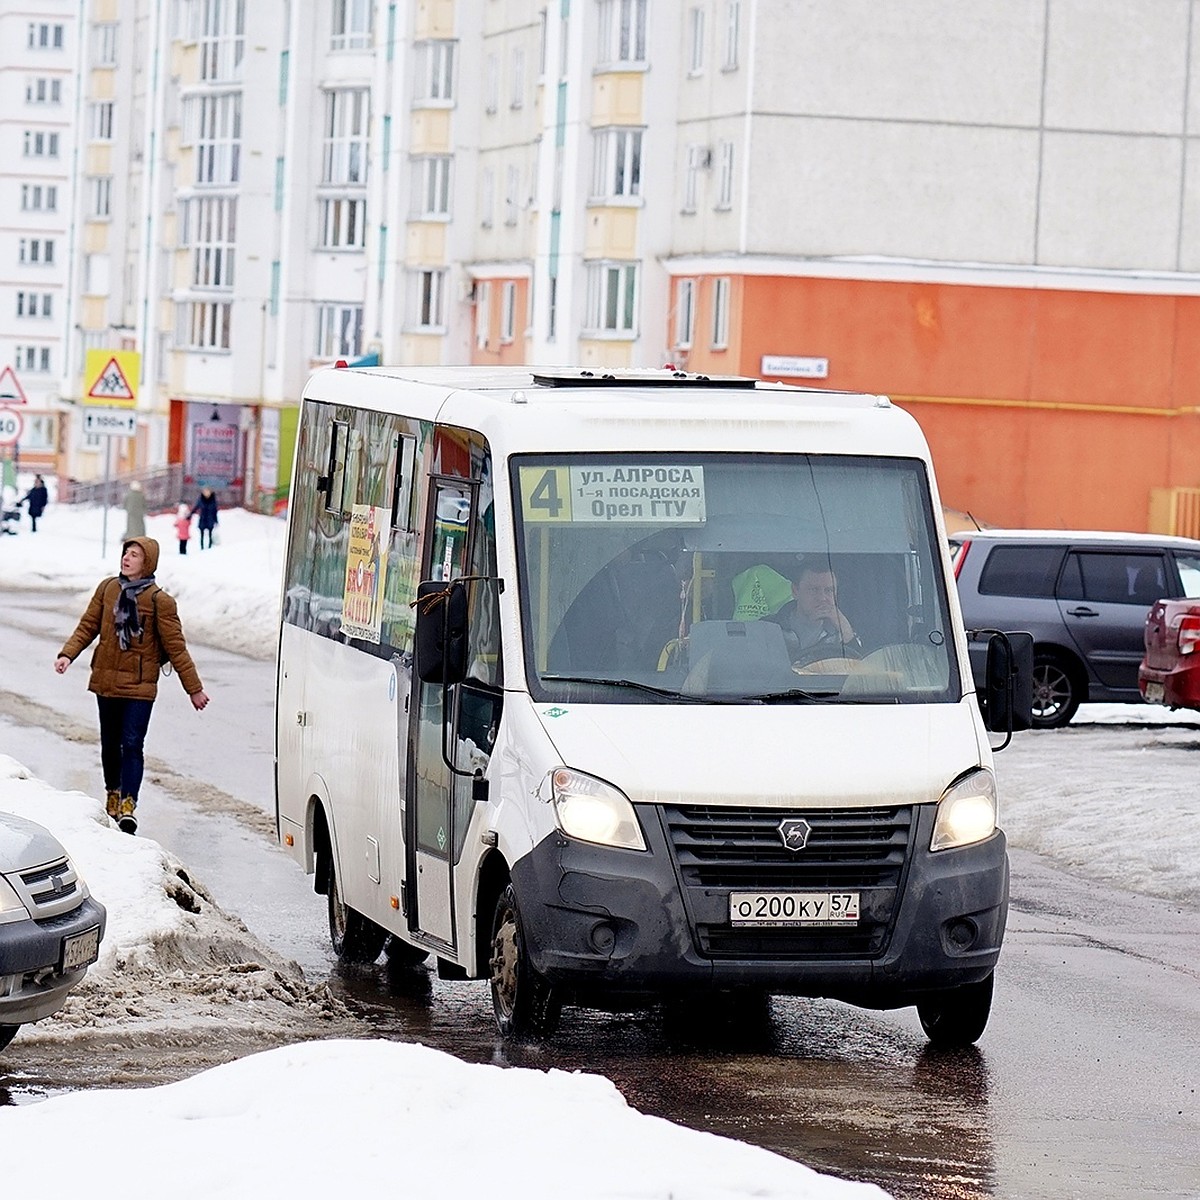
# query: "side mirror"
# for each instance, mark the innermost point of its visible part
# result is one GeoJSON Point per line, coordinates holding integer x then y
{"type": "Point", "coordinates": [1009, 691]}
{"type": "Point", "coordinates": [440, 641]}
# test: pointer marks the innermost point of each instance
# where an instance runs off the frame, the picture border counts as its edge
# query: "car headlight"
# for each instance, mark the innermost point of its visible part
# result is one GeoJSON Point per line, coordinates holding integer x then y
{"type": "Point", "coordinates": [9, 900]}
{"type": "Point", "coordinates": [966, 813]}
{"type": "Point", "coordinates": [591, 810]}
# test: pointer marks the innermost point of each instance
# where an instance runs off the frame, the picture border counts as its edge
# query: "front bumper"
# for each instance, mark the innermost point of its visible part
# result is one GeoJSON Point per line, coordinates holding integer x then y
{"type": "Point", "coordinates": [604, 924]}
{"type": "Point", "coordinates": [32, 982]}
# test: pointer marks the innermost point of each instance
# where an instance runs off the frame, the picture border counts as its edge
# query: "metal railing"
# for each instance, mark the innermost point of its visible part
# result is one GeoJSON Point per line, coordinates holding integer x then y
{"type": "Point", "coordinates": [163, 488]}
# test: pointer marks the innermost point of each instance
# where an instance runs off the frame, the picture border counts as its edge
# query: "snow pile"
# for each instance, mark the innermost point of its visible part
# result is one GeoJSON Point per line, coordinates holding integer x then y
{"type": "Point", "coordinates": [382, 1118]}
{"type": "Point", "coordinates": [170, 956]}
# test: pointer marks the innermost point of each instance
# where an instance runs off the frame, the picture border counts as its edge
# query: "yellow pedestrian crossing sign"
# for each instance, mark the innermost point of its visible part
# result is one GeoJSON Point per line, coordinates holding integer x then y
{"type": "Point", "coordinates": [111, 378]}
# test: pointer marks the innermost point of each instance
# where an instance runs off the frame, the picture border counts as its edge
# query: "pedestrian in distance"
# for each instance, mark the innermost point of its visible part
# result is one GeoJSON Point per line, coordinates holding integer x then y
{"type": "Point", "coordinates": [135, 511]}
{"type": "Point", "coordinates": [139, 630]}
{"type": "Point", "coordinates": [35, 501]}
{"type": "Point", "coordinates": [206, 506]}
{"type": "Point", "coordinates": [183, 527]}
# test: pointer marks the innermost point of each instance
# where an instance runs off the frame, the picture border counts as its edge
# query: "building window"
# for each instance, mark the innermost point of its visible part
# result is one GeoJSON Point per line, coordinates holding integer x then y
{"type": "Point", "coordinates": [733, 29]}
{"type": "Point", "coordinates": [698, 157]}
{"type": "Point", "coordinates": [33, 358]}
{"type": "Point", "coordinates": [543, 40]}
{"type": "Point", "coordinates": [100, 121]}
{"type": "Point", "coordinates": [487, 197]}
{"type": "Point", "coordinates": [428, 299]}
{"type": "Point", "coordinates": [104, 44]}
{"type": "Point", "coordinates": [725, 175]}
{"type": "Point", "coordinates": [517, 94]}
{"type": "Point", "coordinates": [345, 137]}
{"type": "Point", "coordinates": [96, 274]}
{"type": "Point", "coordinates": [45, 37]}
{"type": "Point", "coordinates": [616, 163]}
{"type": "Point", "coordinates": [37, 250]}
{"type": "Point", "coordinates": [352, 24]}
{"type": "Point", "coordinates": [696, 41]}
{"type": "Point", "coordinates": [43, 91]}
{"type": "Point", "coordinates": [720, 314]}
{"type": "Point", "coordinates": [508, 311]}
{"type": "Point", "coordinates": [431, 186]}
{"type": "Point", "coordinates": [218, 137]}
{"type": "Point", "coordinates": [209, 231]}
{"type": "Point", "coordinates": [222, 39]}
{"type": "Point", "coordinates": [685, 312]}
{"type": "Point", "coordinates": [512, 194]}
{"type": "Point", "coordinates": [491, 84]}
{"type": "Point", "coordinates": [611, 297]}
{"type": "Point", "coordinates": [622, 31]}
{"type": "Point", "coordinates": [483, 314]}
{"type": "Point", "coordinates": [35, 304]}
{"type": "Point", "coordinates": [435, 70]}
{"type": "Point", "coordinates": [343, 223]}
{"type": "Point", "coordinates": [339, 330]}
{"type": "Point", "coordinates": [37, 197]}
{"type": "Point", "coordinates": [99, 193]}
{"type": "Point", "coordinates": [204, 325]}
{"type": "Point", "coordinates": [40, 145]}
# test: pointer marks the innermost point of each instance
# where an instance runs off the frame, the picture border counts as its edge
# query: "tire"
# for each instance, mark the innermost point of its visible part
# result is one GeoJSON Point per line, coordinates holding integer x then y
{"type": "Point", "coordinates": [958, 1016]}
{"type": "Point", "coordinates": [355, 938]}
{"type": "Point", "coordinates": [1057, 691]}
{"type": "Point", "coordinates": [524, 1002]}
{"type": "Point", "coordinates": [7, 1033]}
{"type": "Point", "coordinates": [403, 956]}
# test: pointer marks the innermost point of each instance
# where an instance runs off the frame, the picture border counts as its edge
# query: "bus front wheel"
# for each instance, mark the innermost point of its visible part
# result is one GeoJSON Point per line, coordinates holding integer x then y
{"type": "Point", "coordinates": [524, 1002]}
{"type": "Point", "coordinates": [355, 938]}
{"type": "Point", "coordinates": [958, 1016]}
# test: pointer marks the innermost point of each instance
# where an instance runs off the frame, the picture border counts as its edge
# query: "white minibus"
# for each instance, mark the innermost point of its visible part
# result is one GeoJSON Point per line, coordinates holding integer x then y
{"type": "Point", "coordinates": [612, 688]}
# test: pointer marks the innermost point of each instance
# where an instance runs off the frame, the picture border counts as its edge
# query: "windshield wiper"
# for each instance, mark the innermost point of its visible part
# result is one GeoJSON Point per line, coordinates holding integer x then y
{"type": "Point", "coordinates": [790, 694]}
{"type": "Point", "coordinates": [666, 693]}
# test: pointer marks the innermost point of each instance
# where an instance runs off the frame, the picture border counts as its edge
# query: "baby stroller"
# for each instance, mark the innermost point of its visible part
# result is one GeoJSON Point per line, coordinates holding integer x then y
{"type": "Point", "coordinates": [10, 520]}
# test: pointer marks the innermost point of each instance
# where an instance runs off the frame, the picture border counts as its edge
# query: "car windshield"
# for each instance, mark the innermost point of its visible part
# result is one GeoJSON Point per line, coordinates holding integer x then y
{"type": "Point", "coordinates": [731, 578]}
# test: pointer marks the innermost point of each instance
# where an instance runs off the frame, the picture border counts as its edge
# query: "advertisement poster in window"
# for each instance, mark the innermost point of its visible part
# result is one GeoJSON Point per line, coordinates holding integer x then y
{"type": "Point", "coordinates": [366, 571]}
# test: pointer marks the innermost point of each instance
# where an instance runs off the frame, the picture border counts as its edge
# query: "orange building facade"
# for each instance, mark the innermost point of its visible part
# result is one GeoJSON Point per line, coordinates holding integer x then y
{"type": "Point", "coordinates": [1043, 406]}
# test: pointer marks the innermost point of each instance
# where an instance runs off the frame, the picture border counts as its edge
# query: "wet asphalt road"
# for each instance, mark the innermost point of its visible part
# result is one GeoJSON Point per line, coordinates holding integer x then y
{"type": "Point", "coordinates": [1084, 1085]}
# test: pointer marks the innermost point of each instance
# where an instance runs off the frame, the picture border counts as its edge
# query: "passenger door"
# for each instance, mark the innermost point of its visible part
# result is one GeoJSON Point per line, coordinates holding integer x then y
{"type": "Point", "coordinates": [1104, 596]}
{"type": "Point", "coordinates": [432, 786]}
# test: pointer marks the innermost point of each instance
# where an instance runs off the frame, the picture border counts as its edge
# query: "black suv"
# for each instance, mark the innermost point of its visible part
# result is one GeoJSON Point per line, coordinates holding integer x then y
{"type": "Point", "coordinates": [1083, 596]}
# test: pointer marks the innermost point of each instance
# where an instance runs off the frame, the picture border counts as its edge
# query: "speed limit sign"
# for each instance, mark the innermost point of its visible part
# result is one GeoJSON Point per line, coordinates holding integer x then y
{"type": "Point", "coordinates": [12, 425]}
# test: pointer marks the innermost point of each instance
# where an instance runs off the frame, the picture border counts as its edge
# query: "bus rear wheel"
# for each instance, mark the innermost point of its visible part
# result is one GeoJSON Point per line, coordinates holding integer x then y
{"type": "Point", "coordinates": [355, 938]}
{"type": "Point", "coordinates": [958, 1016]}
{"type": "Point", "coordinates": [524, 1002]}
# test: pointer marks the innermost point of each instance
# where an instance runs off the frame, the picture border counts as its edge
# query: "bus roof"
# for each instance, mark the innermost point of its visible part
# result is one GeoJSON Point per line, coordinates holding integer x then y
{"type": "Point", "coordinates": [531, 410]}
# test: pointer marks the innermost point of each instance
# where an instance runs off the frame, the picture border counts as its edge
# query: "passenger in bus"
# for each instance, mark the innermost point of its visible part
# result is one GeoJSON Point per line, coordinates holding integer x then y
{"type": "Point", "coordinates": [813, 625]}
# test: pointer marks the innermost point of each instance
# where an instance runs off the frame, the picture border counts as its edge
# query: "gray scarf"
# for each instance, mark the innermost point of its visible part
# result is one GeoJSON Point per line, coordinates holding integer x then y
{"type": "Point", "coordinates": [125, 611]}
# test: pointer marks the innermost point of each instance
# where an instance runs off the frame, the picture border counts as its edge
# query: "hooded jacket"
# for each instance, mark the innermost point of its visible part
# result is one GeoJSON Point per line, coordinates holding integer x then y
{"type": "Point", "coordinates": [133, 674]}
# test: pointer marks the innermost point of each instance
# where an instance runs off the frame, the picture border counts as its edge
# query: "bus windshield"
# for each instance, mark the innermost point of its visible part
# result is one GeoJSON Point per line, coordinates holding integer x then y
{"type": "Point", "coordinates": [731, 578]}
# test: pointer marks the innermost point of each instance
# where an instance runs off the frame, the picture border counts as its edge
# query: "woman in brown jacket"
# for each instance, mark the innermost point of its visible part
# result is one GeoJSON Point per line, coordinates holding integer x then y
{"type": "Point", "coordinates": [138, 626]}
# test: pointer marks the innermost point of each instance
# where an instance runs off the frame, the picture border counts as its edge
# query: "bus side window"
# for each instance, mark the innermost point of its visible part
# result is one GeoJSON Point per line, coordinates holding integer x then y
{"type": "Point", "coordinates": [402, 484]}
{"type": "Point", "coordinates": [334, 483]}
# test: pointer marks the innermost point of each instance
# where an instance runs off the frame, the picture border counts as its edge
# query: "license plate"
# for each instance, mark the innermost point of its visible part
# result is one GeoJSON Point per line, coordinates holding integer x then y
{"type": "Point", "coordinates": [81, 949]}
{"type": "Point", "coordinates": [1154, 693]}
{"type": "Point", "coordinates": [793, 908]}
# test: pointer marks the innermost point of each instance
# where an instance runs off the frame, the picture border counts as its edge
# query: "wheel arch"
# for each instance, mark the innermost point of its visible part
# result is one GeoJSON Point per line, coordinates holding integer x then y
{"type": "Point", "coordinates": [494, 876]}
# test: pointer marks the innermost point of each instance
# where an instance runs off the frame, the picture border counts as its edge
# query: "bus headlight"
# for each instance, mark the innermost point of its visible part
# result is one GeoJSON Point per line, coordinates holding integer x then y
{"type": "Point", "coordinates": [966, 813]}
{"type": "Point", "coordinates": [591, 810]}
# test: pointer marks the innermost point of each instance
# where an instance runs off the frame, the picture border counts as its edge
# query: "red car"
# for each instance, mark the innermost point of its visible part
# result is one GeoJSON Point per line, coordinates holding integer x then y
{"type": "Point", "coordinates": [1170, 670]}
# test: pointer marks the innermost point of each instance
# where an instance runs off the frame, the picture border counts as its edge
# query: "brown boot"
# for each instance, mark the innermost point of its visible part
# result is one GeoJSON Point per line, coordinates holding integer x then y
{"type": "Point", "coordinates": [112, 803]}
{"type": "Point", "coordinates": [125, 815]}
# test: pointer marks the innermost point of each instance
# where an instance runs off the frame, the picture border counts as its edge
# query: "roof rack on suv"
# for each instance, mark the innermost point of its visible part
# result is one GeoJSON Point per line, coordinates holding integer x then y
{"type": "Point", "coordinates": [634, 377]}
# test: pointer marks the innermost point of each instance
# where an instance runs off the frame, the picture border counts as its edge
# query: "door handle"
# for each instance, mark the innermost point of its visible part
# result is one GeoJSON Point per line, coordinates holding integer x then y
{"type": "Point", "coordinates": [1081, 611]}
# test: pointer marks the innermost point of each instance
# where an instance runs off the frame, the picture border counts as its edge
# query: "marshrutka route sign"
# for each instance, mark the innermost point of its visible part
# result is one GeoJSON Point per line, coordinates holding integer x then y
{"type": "Point", "coordinates": [111, 378]}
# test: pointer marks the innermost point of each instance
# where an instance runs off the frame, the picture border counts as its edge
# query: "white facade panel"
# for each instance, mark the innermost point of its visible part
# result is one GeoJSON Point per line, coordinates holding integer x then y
{"type": "Point", "coordinates": [1110, 201]}
{"type": "Point", "coordinates": [922, 60]}
{"type": "Point", "coordinates": [1117, 66]}
{"type": "Point", "coordinates": [913, 191]}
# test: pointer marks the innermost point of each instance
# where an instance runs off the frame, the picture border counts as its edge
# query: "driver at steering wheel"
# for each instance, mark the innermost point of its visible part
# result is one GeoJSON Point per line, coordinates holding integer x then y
{"type": "Point", "coordinates": [813, 626]}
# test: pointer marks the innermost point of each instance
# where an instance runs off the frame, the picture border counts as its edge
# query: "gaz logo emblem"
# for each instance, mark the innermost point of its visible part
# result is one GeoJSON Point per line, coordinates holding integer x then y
{"type": "Point", "coordinates": [793, 832]}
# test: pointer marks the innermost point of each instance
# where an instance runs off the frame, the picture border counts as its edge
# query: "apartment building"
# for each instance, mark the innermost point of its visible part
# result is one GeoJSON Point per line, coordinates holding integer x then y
{"type": "Point", "coordinates": [39, 48]}
{"type": "Point", "coordinates": [987, 211]}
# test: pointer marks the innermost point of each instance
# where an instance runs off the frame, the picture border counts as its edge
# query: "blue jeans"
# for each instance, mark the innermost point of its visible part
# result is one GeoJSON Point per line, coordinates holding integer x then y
{"type": "Point", "coordinates": [123, 725]}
